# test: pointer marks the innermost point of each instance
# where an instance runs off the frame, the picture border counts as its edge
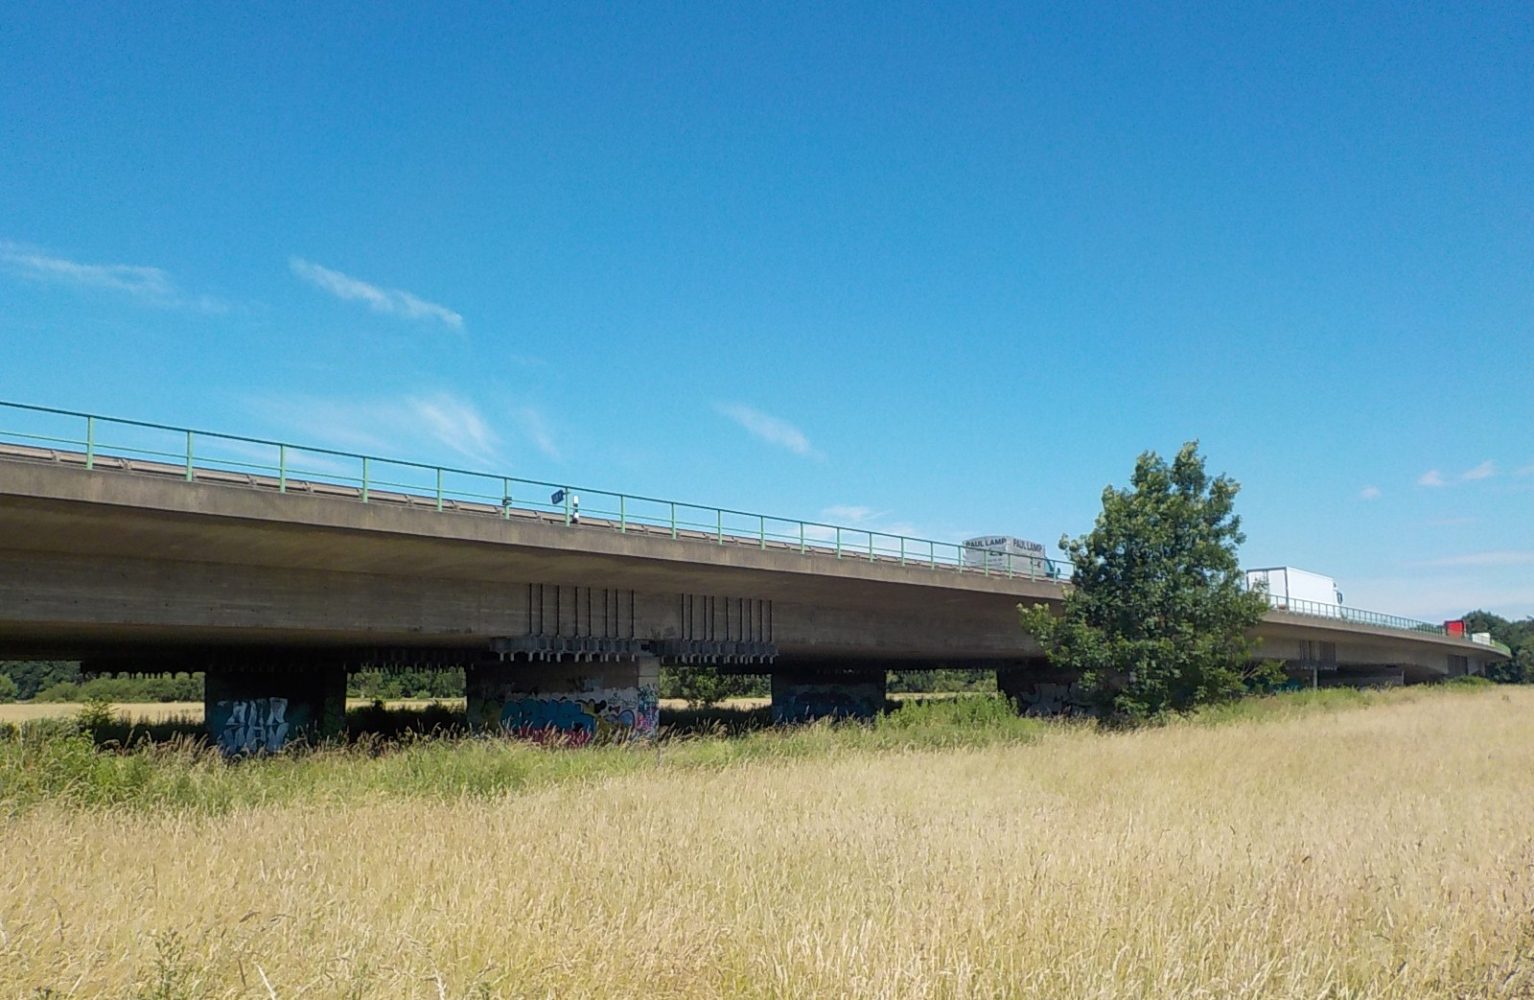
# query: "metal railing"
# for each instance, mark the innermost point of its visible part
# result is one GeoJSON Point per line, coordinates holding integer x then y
{"type": "Point", "coordinates": [100, 442]}
{"type": "Point", "coordinates": [1320, 609]}
{"type": "Point", "coordinates": [1501, 647]}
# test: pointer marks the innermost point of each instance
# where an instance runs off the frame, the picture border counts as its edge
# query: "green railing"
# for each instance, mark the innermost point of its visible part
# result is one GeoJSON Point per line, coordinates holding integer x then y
{"type": "Point", "coordinates": [1321, 609]}
{"type": "Point", "coordinates": [99, 442]}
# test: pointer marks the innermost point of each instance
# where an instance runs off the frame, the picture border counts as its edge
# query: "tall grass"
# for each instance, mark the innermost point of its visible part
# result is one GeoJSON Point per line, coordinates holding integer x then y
{"type": "Point", "coordinates": [97, 760]}
{"type": "Point", "coordinates": [54, 761]}
{"type": "Point", "coordinates": [1375, 848]}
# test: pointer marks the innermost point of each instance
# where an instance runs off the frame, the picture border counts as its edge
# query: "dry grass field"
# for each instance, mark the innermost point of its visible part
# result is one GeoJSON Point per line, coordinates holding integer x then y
{"type": "Point", "coordinates": [191, 711]}
{"type": "Point", "coordinates": [150, 712]}
{"type": "Point", "coordinates": [141, 712]}
{"type": "Point", "coordinates": [1382, 851]}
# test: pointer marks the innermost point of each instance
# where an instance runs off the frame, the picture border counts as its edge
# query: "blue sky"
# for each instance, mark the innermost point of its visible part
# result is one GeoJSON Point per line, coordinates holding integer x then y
{"type": "Point", "coordinates": [942, 269]}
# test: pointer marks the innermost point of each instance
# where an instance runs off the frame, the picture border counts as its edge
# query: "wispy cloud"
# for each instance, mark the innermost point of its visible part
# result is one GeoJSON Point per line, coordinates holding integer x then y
{"type": "Point", "coordinates": [1527, 470]}
{"type": "Point", "coordinates": [411, 427]}
{"type": "Point", "coordinates": [266, 458]}
{"type": "Point", "coordinates": [1370, 493]}
{"type": "Point", "coordinates": [863, 522]}
{"type": "Point", "coordinates": [766, 427]}
{"type": "Point", "coordinates": [1494, 557]}
{"type": "Point", "coordinates": [536, 429]}
{"type": "Point", "coordinates": [1485, 470]}
{"type": "Point", "coordinates": [1434, 477]}
{"type": "Point", "coordinates": [848, 513]}
{"type": "Point", "coordinates": [456, 423]}
{"type": "Point", "coordinates": [390, 301]}
{"type": "Point", "coordinates": [149, 285]}
{"type": "Point", "coordinates": [1435, 595]}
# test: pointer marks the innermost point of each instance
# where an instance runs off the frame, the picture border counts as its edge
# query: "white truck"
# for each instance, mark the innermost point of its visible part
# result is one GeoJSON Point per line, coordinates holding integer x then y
{"type": "Point", "coordinates": [1000, 553]}
{"type": "Point", "coordinates": [1297, 590]}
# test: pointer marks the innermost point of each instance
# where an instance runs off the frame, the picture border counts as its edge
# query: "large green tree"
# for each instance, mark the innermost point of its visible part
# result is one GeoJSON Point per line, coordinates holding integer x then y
{"type": "Point", "coordinates": [1157, 616]}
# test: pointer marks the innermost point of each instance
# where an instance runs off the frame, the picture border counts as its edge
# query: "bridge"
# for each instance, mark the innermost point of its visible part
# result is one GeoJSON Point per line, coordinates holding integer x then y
{"type": "Point", "coordinates": [276, 568]}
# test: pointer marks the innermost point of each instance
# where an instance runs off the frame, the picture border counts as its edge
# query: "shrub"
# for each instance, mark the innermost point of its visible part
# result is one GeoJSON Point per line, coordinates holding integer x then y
{"type": "Point", "coordinates": [97, 717]}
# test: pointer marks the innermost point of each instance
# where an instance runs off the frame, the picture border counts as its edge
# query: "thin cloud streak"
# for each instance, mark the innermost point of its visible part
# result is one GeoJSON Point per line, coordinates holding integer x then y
{"type": "Point", "coordinates": [1436, 596]}
{"type": "Point", "coordinates": [150, 285]}
{"type": "Point", "coordinates": [1485, 470]}
{"type": "Point", "coordinates": [858, 523]}
{"type": "Point", "coordinates": [536, 429]}
{"type": "Point", "coordinates": [458, 425]}
{"type": "Point", "coordinates": [848, 514]}
{"type": "Point", "coordinates": [1496, 557]}
{"type": "Point", "coordinates": [1431, 477]}
{"type": "Point", "coordinates": [766, 427]}
{"type": "Point", "coordinates": [394, 428]}
{"type": "Point", "coordinates": [389, 301]}
{"type": "Point", "coordinates": [1370, 493]}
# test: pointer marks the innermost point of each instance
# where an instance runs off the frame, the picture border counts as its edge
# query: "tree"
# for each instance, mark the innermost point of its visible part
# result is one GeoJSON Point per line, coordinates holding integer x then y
{"type": "Point", "coordinates": [1517, 636]}
{"type": "Point", "coordinates": [31, 676]}
{"type": "Point", "coordinates": [7, 689]}
{"type": "Point", "coordinates": [1157, 616]}
{"type": "Point", "coordinates": [705, 686]}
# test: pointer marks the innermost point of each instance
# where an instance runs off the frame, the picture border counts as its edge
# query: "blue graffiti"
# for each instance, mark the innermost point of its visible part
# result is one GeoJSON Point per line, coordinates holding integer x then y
{"type": "Point", "coordinates": [824, 702]}
{"type": "Point", "coordinates": [251, 725]}
{"type": "Point", "coordinates": [610, 715]}
{"type": "Point", "coordinates": [530, 716]}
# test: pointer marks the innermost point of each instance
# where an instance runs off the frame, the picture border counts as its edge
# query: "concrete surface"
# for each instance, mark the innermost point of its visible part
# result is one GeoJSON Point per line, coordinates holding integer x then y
{"type": "Point", "coordinates": [142, 569]}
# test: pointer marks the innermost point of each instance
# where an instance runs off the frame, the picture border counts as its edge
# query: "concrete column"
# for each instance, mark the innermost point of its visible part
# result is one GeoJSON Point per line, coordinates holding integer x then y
{"type": "Point", "coordinates": [1043, 690]}
{"type": "Point", "coordinates": [577, 702]}
{"type": "Point", "coordinates": [829, 693]}
{"type": "Point", "coordinates": [250, 710]}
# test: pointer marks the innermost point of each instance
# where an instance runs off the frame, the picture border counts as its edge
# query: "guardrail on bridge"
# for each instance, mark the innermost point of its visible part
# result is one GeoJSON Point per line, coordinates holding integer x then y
{"type": "Point", "coordinates": [100, 442]}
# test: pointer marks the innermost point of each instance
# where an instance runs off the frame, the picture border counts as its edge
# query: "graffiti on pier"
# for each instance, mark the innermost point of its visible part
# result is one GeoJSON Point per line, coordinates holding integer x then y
{"type": "Point", "coordinates": [828, 701]}
{"type": "Point", "coordinates": [647, 711]}
{"type": "Point", "coordinates": [1046, 698]}
{"type": "Point", "coordinates": [613, 714]}
{"type": "Point", "coordinates": [252, 725]}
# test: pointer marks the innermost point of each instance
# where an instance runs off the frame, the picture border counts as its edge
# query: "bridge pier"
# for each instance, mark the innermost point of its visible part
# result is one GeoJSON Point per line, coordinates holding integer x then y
{"type": "Point", "coordinates": [829, 693]}
{"type": "Point", "coordinates": [578, 702]}
{"type": "Point", "coordinates": [256, 709]}
{"type": "Point", "coordinates": [1039, 689]}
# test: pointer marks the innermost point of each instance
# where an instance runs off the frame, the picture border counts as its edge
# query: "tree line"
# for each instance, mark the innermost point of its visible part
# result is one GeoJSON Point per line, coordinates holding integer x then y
{"type": "Point", "coordinates": [1517, 636]}
{"type": "Point", "coordinates": [61, 681]}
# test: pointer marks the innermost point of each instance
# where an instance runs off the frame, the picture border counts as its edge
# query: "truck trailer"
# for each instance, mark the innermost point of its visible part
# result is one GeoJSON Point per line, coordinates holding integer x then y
{"type": "Point", "coordinates": [1003, 553]}
{"type": "Point", "coordinates": [1297, 590]}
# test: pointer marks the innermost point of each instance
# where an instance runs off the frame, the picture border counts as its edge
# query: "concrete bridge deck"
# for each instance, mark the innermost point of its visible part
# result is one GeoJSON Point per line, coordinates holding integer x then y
{"type": "Point", "coordinates": [329, 547]}
{"type": "Point", "coordinates": [139, 564]}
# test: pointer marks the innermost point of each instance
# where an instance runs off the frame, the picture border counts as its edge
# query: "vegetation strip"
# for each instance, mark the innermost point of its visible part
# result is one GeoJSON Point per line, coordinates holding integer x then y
{"type": "Point", "coordinates": [58, 761]}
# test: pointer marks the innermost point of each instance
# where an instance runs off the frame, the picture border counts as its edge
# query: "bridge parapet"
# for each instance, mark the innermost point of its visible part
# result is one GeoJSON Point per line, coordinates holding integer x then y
{"type": "Point", "coordinates": [96, 442]}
